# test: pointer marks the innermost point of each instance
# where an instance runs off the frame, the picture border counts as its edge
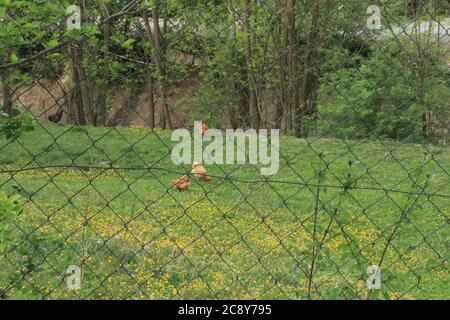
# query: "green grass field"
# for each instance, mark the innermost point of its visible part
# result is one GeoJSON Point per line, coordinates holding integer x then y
{"type": "Point", "coordinates": [238, 236]}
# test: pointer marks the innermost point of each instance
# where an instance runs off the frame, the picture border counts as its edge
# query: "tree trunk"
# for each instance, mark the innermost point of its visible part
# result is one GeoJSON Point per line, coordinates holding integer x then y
{"type": "Point", "coordinates": [7, 95]}
{"type": "Point", "coordinates": [155, 40]}
{"type": "Point", "coordinates": [7, 98]}
{"type": "Point", "coordinates": [102, 112]}
{"type": "Point", "coordinates": [252, 99]}
{"type": "Point", "coordinates": [310, 78]}
{"type": "Point", "coordinates": [76, 96]}
{"type": "Point", "coordinates": [82, 83]}
{"type": "Point", "coordinates": [237, 106]}
{"type": "Point", "coordinates": [83, 80]}
{"type": "Point", "coordinates": [279, 49]}
{"type": "Point", "coordinates": [292, 90]}
{"type": "Point", "coordinates": [151, 100]}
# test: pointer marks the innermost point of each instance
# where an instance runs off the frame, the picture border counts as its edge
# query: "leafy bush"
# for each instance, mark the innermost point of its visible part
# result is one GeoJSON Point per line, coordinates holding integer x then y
{"type": "Point", "coordinates": [9, 210]}
{"type": "Point", "coordinates": [387, 96]}
{"type": "Point", "coordinates": [12, 126]}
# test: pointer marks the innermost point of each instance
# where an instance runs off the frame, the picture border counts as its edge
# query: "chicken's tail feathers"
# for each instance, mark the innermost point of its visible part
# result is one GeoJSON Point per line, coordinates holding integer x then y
{"type": "Point", "coordinates": [206, 177]}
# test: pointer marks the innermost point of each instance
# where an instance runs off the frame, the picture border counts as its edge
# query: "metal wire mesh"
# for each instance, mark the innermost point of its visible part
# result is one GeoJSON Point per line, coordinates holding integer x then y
{"type": "Point", "coordinates": [101, 219]}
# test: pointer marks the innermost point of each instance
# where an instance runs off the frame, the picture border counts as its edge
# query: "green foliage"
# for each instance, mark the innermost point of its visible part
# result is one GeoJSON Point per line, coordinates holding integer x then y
{"type": "Point", "coordinates": [12, 126]}
{"type": "Point", "coordinates": [27, 23]}
{"type": "Point", "coordinates": [9, 210]}
{"type": "Point", "coordinates": [385, 97]}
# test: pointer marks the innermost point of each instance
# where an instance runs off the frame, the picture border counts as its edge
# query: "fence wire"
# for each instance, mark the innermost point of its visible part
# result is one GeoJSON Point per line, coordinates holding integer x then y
{"type": "Point", "coordinates": [358, 208]}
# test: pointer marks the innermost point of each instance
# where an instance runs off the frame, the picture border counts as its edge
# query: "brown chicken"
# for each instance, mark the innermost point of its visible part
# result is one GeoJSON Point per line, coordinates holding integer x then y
{"type": "Point", "coordinates": [181, 184]}
{"type": "Point", "coordinates": [203, 128]}
{"type": "Point", "coordinates": [200, 172]}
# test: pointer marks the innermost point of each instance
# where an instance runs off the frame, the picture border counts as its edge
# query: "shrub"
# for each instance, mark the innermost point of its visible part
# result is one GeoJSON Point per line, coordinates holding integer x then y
{"type": "Point", "coordinates": [387, 96]}
{"type": "Point", "coordinates": [12, 126]}
{"type": "Point", "coordinates": [9, 210]}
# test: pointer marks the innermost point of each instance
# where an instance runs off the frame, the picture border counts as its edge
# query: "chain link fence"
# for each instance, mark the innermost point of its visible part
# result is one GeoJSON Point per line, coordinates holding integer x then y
{"type": "Point", "coordinates": [90, 204]}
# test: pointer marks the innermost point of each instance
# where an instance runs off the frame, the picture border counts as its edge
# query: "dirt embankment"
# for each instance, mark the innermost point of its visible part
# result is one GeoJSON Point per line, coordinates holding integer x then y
{"type": "Point", "coordinates": [44, 97]}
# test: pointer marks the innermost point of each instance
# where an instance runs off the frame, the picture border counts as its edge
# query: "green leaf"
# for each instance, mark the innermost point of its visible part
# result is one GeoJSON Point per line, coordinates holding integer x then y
{"type": "Point", "coordinates": [14, 57]}
{"type": "Point", "coordinates": [52, 43]}
{"type": "Point", "coordinates": [128, 44]}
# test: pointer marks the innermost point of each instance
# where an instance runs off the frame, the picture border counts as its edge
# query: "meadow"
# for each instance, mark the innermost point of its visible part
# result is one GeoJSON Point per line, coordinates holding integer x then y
{"type": "Point", "coordinates": [101, 199]}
